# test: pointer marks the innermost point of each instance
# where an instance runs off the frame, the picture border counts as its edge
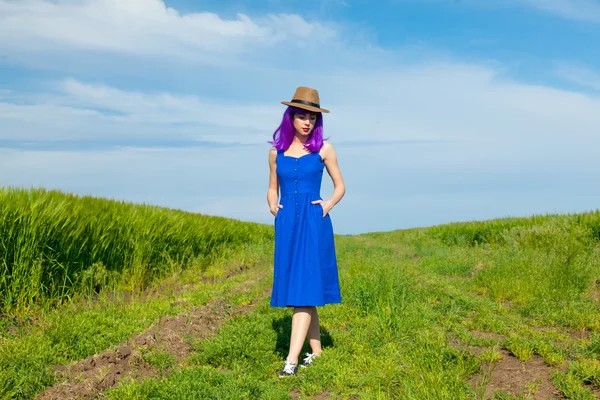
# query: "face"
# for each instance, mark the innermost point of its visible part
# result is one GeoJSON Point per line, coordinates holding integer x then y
{"type": "Point", "coordinates": [305, 122]}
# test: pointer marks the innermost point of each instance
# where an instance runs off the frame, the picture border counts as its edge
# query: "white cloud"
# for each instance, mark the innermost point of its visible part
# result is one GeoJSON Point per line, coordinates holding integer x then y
{"type": "Point", "coordinates": [163, 107]}
{"type": "Point", "coordinates": [92, 111]}
{"type": "Point", "coordinates": [524, 149]}
{"type": "Point", "coordinates": [424, 101]}
{"type": "Point", "coordinates": [580, 75]}
{"type": "Point", "coordinates": [453, 101]}
{"type": "Point", "coordinates": [485, 135]}
{"type": "Point", "coordinates": [144, 28]}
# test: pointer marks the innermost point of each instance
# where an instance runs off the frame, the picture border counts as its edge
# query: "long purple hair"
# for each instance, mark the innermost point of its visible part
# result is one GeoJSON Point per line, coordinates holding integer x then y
{"type": "Point", "coordinates": [284, 134]}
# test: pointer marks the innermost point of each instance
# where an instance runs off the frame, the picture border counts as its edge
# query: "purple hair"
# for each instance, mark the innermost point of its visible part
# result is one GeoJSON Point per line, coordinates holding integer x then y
{"type": "Point", "coordinates": [284, 134]}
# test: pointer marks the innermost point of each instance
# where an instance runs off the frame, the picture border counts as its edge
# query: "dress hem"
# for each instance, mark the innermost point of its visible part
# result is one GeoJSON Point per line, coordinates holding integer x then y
{"type": "Point", "coordinates": [305, 305]}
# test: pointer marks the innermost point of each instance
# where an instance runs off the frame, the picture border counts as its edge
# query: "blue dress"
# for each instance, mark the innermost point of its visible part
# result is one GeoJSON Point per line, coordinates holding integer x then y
{"type": "Point", "coordinates": [305, 266]}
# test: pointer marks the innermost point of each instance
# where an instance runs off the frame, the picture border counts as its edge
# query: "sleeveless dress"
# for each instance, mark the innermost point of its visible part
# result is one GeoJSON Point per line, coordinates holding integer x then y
{"type": "Point", "coordinates": [305, 266]}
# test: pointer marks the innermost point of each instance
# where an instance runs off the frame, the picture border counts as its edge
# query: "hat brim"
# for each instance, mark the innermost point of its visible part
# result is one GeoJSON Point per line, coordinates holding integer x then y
{"type": "Point", "coordinates": [305, 107]}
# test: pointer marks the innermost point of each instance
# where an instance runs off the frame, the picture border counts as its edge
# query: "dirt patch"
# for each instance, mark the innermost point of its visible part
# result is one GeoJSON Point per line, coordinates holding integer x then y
{"type": "Point", "coordinates": [566, 335]}
{"type": "Point", "coordinates": [579, 334]}
{"type": "Point", "coordinates": [487, 335]}
{"type": "Point", "coordinates": [594, 292]}
{"type": "Point", "coordinates": [12, 330]}
{"type": "Point", "coordinates": [85, 379]}
{"type": "Point", "coordinates": [23, 325]}
{"type": "Point", "coordinates": [457, 344]}
{"type": "Point", "coordinates": [594, 389]}
{"type": "Point", "coordinates": [530, 379]}
{"type": "Point", "coordinates": [480, 266]}
{"type": "Point", "coordinates": [475, 350]}
{"type": "Point", "coordinates": [321, 396]}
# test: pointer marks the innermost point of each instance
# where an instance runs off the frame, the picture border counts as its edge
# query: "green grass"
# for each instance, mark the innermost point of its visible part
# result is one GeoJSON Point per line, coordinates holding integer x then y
{"type": "Point", "coordinates": [202, 383]}
{"type": "Point", "coordinates": [406, 293]}
{"type": "Point", "coordinates": [413, 302]}
{"type": "Point", "coordinates": [55, 245]}
{"type": "Point", "coordinates": [88, 326]}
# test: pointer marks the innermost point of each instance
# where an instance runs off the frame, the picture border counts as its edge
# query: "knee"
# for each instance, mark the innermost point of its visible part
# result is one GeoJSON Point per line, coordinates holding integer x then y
{"type": "Point", "coordinates": [305, 309]}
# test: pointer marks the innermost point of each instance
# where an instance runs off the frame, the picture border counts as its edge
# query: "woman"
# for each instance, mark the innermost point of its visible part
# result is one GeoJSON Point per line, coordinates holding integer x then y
{"type": "Point", "coordinates": [305, 266]}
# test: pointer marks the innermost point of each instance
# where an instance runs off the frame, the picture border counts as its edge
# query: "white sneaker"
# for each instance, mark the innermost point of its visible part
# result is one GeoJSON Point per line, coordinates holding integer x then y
{"type": "Point", "coordinates": [289, 369]}
{"type": "Point", "coordinates": [308, 360]}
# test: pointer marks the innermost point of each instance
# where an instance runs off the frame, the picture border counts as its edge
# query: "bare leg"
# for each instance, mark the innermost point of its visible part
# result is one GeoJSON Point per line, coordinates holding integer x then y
{"type": "Point", "coordinates": [300, 325]}
{"type": "Point", "coordinates": [314, 333]}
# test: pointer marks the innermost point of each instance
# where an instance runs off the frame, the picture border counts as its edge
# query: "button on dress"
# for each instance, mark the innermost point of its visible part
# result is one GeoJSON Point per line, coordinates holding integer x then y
{"type": "Point", "coordinates": [305, 266]}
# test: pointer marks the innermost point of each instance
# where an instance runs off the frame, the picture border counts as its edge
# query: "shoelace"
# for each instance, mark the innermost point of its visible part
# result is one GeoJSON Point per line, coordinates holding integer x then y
{"type": "Point", "coordinates": [289, 367]}
{"type": "Point", "coordinates": [309, 359]}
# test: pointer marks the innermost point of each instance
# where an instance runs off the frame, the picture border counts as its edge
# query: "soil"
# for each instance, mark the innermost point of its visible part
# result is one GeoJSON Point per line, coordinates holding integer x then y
{"type": "Point", "coordinates": [23, 325]}
{"type": "Point", "coordinates": [321, 396]}
{"type": "Point", "coordinates": [580, 334]}
{"type": "Point", "coordinates": [530, 379]}
{"type": "Point", "coordinates": [594, 389]}
{"type": "Point", "coordinates": [85, 379]}
{"type": "Point", "coordinates": [488, 335]}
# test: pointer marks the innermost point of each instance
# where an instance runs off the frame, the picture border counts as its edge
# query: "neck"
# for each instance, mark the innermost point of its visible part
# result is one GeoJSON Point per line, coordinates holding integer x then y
{"type": "Point", "coordinates": [300, 139]}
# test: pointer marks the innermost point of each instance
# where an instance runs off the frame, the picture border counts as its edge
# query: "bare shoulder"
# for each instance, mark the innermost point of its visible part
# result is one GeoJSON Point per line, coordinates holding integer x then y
{"type": "Point", "coordinates": [331, 163]}
{"type": "Point", "coordinates": [272, 153]}
{"type": "Point", "coordinates": [327, 151]}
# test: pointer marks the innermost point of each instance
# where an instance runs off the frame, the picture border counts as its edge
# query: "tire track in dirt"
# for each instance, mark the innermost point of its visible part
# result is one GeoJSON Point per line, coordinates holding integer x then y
{"type": "Point", "coordinates": [531, 378]}
{"type": "Point", "coordinates": [87, 378]}
{"type": "Point", "coordinates": [127, 296]}
{"type": "Point", "coordinates": [296, 395]}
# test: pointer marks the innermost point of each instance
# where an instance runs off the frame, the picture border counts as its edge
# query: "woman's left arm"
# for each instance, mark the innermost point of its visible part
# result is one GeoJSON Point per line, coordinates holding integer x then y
{"type": "Point", "coordinates": [333, 169]}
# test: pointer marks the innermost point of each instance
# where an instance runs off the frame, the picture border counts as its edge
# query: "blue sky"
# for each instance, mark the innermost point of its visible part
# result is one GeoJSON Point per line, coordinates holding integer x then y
{"type": "Point", "coordinates": [441, 110]}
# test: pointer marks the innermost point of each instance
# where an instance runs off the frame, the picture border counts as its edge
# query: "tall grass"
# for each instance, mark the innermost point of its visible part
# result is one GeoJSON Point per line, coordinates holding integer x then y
{"type": "Point", "coordinates": [53, 245]}
{"type": "Point", "coordinates": [415, 302]}
{"type": "Point", "coordinates": [503, 230]}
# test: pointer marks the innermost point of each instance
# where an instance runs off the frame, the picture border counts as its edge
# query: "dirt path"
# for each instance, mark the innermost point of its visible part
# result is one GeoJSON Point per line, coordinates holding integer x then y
{"type": "Point", "coordinates": [530, 379]}
{"type": "Point", "coordinates": [85, 379]}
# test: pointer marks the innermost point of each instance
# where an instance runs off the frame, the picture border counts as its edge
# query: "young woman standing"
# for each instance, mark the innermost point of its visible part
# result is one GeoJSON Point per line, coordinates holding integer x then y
{"type": "Point", "coordinates": [305, 266]}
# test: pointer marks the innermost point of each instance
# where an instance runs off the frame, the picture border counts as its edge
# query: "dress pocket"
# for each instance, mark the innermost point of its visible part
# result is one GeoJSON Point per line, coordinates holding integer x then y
{"type": "Point", "coordinates": [277, 217]}
{"type": "Point", "coordinates": [316, 206]}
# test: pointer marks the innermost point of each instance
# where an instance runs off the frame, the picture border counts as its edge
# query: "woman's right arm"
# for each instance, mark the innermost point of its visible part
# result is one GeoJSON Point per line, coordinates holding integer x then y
{"type": "Point", "coordinates": [273, 191]}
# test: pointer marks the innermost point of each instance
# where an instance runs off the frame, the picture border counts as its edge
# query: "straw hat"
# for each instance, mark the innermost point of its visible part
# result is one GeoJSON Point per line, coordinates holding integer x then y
{"type": "Point", "coordinates": [307, 99]}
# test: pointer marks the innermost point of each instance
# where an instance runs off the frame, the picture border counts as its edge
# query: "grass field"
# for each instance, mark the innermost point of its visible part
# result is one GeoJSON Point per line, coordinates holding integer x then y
{"type": "Point", "coordinates": [504, 309]}
{"type": "Point", "coordinates": [54, 246]}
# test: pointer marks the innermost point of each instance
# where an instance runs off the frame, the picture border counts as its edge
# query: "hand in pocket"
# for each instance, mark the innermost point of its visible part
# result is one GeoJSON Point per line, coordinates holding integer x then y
{"type": "Point", "coordinates": [275, 209]}
{"type": "Point", "coordinates": [326, 205]}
